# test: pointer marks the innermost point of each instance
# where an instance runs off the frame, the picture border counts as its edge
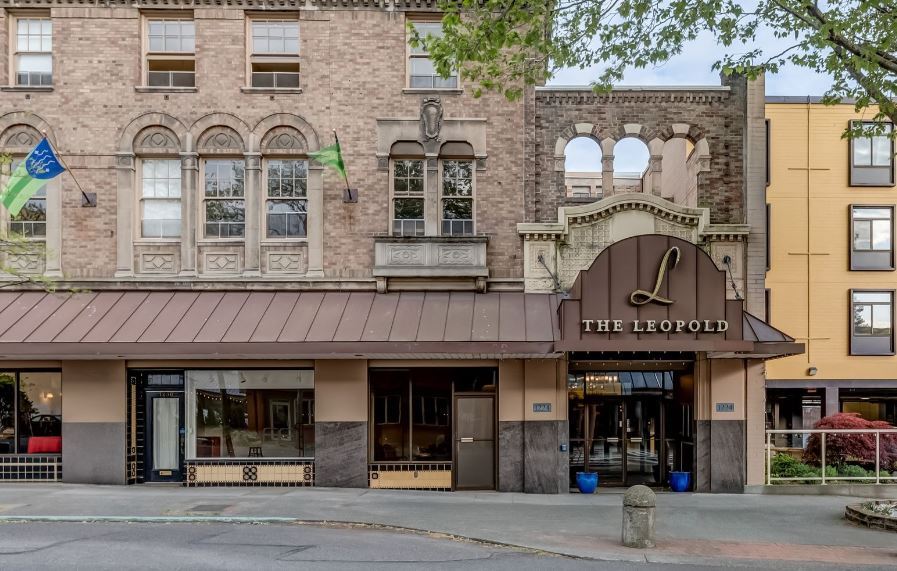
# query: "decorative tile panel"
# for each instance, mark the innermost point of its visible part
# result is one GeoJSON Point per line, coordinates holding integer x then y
{"type": "Point", "coordinates": [430, 257]}
{"type": "Point", "coordinates": [286, 263]}
{"type": "Point", "coordinates": [250, 473]}
{"type": "Point", "coordinates": [25, 263]}
{"type": "Point", "coordinates": [401, 255]}
{"type": "Point", "coordinates": [435, 476]}
{"type": "Point", "coordinates": [221, 262]}
{"type": "Point", "coordinates": [157, 263]}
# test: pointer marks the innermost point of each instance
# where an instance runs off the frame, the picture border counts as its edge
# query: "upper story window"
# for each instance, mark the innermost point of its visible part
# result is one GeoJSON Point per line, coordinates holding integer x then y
{"type": "Point", "coordinates": [274, 56]}
{"type": "Point", "coordinates": [872, 332]}
{"type": "Point", "coordinates": [408, 197]}
{"type": "Point", "coordinates": [33, 52]}
{"type": "Point", "coordinates": [872, 228]}
{"type": "Point", "coordinates": [872, 158]}
{"type": "Point", "coordinates": [457, 198]}
{"type": "Point", "coordinates": [170, 59]}
{"type": "Point", "coordinates": [31, 221]}
{"type": "Point", "coordinates": [160, 201]}
{"type": "Point", "coordinates": [421, 70]}
{"type": "Point", "coordinates": [287, 198]}
{"type": "Point", "coordinates": [225, 208]}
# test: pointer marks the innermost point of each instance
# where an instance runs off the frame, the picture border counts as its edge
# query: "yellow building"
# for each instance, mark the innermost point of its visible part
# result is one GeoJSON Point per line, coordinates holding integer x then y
{"type": "Point", "coordinates": [831, 278]}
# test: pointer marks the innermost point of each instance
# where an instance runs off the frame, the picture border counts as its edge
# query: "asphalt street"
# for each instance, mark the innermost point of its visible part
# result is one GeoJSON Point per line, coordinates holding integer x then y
{"type": "Point", "coordinates": [198, 546]}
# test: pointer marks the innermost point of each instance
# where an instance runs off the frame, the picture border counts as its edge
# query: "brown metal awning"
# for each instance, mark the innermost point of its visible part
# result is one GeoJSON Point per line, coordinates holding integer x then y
{"type": "Point", "coordinates": [269, 324]}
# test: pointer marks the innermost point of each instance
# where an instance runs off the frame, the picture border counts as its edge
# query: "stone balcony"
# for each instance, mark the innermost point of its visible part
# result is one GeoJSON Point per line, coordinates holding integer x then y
{"type": "Point", "coordinates": [430, 262]}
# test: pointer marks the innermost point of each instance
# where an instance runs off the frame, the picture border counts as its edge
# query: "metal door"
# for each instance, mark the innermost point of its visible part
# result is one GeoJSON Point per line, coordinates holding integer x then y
{"type": "Point", "coordinates": [475, 442]}
{"type": "Point", "coordinates": [164, 448]}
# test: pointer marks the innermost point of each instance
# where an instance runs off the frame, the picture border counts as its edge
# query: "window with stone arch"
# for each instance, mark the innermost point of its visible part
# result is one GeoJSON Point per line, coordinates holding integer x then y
{"type": "Point", "coordinates": [159, 184]}
{"type": "Point", "coordinates": [285, 183]}
{"type": "Point", "coordinates": [631, 158]}
{"type": "Point", "coordinates": [582, 169]}
{"type": "Point", "coordinates": [31, 221]}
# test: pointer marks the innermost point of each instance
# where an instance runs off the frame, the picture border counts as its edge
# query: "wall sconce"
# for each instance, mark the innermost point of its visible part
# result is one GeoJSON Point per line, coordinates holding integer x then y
{"type": "Point", "coordinates": [812, 371]}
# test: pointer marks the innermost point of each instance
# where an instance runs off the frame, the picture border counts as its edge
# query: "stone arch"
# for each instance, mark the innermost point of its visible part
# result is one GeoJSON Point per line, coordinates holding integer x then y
{"type": "Point", "coordinates": [284, 140]}
{"type": "Point", "coordinates": [166, 124]}
{"type": "Point", "coordinates": [19, 128]}
{"type": "Point", "coordinates": [285, 123]}
{"type": "Point", "coordinates": [226, 124]}
{"type": "Point", "coordinates": [220, 139]}
{"type": "Point", "coordinates": [156, 140]}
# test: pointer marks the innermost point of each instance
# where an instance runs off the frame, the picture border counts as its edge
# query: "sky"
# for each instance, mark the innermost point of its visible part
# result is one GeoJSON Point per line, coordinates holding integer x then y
{"type": "Point", "coordinates": [692, 67]}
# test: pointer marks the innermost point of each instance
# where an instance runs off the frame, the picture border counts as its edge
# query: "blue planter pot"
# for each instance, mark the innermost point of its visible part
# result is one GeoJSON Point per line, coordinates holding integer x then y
{"type": "Point", "coordinates": [680, 481]}
{"type": "Point", "coordinates": [586, 482]}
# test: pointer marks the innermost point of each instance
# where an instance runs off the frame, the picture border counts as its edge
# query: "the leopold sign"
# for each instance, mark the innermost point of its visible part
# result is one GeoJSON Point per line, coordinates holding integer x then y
{"type": "Point", "coordinates": [650, 287]}
{"type": "Point", "coordinates": [641, 297]}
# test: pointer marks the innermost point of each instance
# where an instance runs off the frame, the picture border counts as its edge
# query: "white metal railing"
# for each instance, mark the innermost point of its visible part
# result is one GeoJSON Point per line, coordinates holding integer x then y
{"type": "Point", "coordinates": [822, 478]}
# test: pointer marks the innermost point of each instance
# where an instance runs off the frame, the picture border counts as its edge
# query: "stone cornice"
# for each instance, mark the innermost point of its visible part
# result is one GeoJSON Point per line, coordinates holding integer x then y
{"type": "Point", "coordinates": [576, 96]}
{"type": "Point", "coordinates": [573, 215]}
{"type": "Point", "coordinates": [400, 5]}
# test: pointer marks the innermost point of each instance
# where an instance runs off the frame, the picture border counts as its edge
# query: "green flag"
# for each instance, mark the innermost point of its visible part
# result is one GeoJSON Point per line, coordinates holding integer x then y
{"type": "Point", "coordinates": [30, 176]}
{"type": "Point", "coordinates": [331, 157]}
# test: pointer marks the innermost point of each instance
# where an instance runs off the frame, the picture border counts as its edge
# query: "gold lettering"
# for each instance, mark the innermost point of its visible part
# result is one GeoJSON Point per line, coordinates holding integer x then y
{"type": "Point", "coordinates": [641, 297]}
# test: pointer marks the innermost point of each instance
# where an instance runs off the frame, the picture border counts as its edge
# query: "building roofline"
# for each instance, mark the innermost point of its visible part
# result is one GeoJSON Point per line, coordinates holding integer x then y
{"type": "Point", "coordinates": [805, 99]}
{"type": "Point", "coordinates": [636, 88]}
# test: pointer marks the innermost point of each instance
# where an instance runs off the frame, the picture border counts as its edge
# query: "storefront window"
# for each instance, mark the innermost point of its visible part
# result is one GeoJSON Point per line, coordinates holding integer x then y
{"type": "Point", "coordinates": [250, 414]}
{"type": "Point", "coordinates": [30, 413]}
{"type": "Point", "coordinates": [871, 404]}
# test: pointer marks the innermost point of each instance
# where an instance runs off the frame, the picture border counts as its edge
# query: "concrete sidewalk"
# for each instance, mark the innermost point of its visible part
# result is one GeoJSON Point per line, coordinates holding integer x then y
{"type": "Point", "coordinates": [730, 529]}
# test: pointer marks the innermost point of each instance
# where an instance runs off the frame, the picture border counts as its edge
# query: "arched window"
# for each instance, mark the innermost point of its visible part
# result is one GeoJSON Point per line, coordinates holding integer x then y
{"type": "Point", "coordinates": [408, 204]}
{"type": "Point", "coordinates": [630, 165]}
{"type": "Point", "coordinates": [582, 167]}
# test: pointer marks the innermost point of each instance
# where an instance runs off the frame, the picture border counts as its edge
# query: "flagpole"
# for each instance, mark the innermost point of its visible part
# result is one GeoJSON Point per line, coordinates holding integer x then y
{"type": "Point", "coordinates": [345, 172]}
{"type": "Point", "coordinates": [72, 174]}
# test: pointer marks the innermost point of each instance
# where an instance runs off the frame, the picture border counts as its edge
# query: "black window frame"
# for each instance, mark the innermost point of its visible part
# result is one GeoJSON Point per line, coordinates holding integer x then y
{"type": "Point", "coordinates": [869, 345]}
{"type": "Point", "coordinates": [871, 259]}
{"type": "Point", "coordinates": [16, 389]}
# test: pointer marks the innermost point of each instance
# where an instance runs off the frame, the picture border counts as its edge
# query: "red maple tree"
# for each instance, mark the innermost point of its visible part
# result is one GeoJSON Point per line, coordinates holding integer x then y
{"type": "Point", "coordinates": [853, 448]}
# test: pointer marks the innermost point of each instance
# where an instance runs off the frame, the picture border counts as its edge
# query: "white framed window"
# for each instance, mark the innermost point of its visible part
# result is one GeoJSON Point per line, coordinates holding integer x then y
{"type": "Point", "coordinates": [33, 51]}
{"type": "Point", "coordinates": [408, 197]}
{"type": "Point", "coordinates": [160, 198]}
{"type": "Point", "coordinates": [224, 198]}
{"type": "Point", "coordinates": [274, 53]}
{"type": "Point", "coordinates": [31, 221]}
{"type": "Point", "coordinates": [457, 198]}
{"type": "Point", "coordinates": [286, 202]}
{"type": "Point", "coordinates": [170, 48]}
{"type": "Point", "coordinates": [421, 69]}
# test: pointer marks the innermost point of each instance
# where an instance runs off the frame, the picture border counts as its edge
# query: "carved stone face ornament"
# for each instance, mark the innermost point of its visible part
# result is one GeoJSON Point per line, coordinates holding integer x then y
{"type": "Point", "coordinates": [430, 118]}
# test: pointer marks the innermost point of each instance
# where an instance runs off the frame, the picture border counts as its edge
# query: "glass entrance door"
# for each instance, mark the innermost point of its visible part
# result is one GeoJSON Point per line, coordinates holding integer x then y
{"type": "Point", "coordinates": [644, 442]}
{"type": "Point", "coordinates": [164, 436]}
{"type": "Point", "coordinates": [475, 442]}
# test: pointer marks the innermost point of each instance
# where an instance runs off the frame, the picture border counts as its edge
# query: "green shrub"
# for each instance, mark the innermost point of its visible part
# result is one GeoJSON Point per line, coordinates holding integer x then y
{"type": "Point", "coordinates": [854, 471]}
{"type": "Point", "coordinates": [786, 466]}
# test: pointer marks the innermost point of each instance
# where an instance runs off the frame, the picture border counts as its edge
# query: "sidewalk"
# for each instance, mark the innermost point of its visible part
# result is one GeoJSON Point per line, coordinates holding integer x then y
{"type": "Point", "coordinates": [695, 529]}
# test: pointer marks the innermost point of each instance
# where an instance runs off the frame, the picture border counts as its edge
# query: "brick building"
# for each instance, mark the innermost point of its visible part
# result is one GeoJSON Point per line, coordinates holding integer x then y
{"type": "Point", "coordinates": [249, 318]}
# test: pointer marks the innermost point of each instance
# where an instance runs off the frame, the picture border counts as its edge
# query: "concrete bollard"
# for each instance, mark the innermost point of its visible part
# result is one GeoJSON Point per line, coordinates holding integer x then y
{"type": "Point", "coordinates": [638, 517]}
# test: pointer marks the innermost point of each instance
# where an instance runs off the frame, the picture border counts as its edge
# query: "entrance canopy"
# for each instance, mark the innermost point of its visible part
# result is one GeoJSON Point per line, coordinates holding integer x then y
{"type": "Point", "coordinates": [276, 325]}
{"type": "Point", "coordinates": [662, 294]}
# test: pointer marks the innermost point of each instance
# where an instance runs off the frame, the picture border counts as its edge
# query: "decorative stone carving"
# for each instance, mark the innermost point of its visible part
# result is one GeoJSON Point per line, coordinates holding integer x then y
{"type": "Point", "coordinates": [189, 161]}
{"type": "Point", "coordinates": [21, 136]}
{"type": "Point", "coordinates": [156, 140]}
{"type": "Point", "coordinates": [157, 263]}
{"type": "Point", "coordinates": [462, 255]}
{"type": "Point", "coordinates": [221, 262]}
{"type": "Point", "coordinates": [668, 228]}
{"type": "Point", "coordinates": [124, 161]}
{"type": "Point", "coordinates": [430, 118]}
{"type": "Point", "coordinates": [400, 255]}
{"type": "Point", "coordinates": [286, 140]}
{"type": "Point", "coordinates": [286, 262]}
{"type": "Point", "coordinates": [220, 140]}
{"type": "Point", "coordinates": [25, 263]}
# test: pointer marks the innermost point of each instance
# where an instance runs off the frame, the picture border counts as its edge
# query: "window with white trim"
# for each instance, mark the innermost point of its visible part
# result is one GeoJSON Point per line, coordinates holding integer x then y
{"type": "Point", "coordinates": [421, 69]}
{"type": "Point", "coordinates": [170, 59]}
{"type": "Point", "coordinates": [274, 53]}
{"type": "Point", "coordinates": [224, 197]}
{"type": "Point", "coordinates": [286, 208]}
{"type": "Point", "coordinates": [33, 51]}
{"type": "Point", "coordinates": [408, 197]}
{"type": "Point", "coordinates": [457, 198]}
{"type": "Point", "coordinates": [160, 198]}
{"type": "Point", "coordinates": [31, 221]}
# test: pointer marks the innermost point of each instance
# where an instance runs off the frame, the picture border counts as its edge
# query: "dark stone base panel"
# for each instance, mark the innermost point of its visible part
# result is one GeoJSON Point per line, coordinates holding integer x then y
{"type": "Point", "coordinates": [727, 454]}
{"type": "Point", "coordinates": [432, 476]}
{"type": "Point", "coordinates": [545, 466]}
{"type": "Point", "coordinates": [31, 468]}
{"type": "Point", "coordinates": [510, 456]}
{"type": "Point", "coordinates": [702, 475]}
{"type": "Point", "coordinates": [270, 473]}
{"type": "Point", "coordinates": [94, 452]}
{"type": "Point", "coordinates": [341, 454]}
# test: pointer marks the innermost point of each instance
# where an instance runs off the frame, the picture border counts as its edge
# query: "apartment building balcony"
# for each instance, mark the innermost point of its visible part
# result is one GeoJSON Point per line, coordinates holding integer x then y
{"type": "Point", "coordinates": [430, 262]}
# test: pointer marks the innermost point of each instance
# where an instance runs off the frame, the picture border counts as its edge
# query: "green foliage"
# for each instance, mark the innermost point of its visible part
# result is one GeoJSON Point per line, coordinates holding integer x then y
{"type": "Point", "coordinates": [503, 45]}
{"type": "Point", "coordinates": [786, 466]}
